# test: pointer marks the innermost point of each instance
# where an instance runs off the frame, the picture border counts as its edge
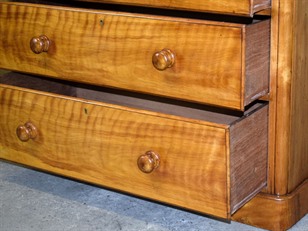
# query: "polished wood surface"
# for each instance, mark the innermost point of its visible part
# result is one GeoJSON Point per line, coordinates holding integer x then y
{"type": "Point", "coordinates": [101, 143]}
{"type": "Point", "coordinates": [299, 99]}
{"type": "Point", "coordinates": [239, 7]}
{"type": "Point", "coordinates": [276, 213]}
{"type": "Point", "coordinates": [198, 114]}
{"type": "Point", "coordinates": [285, 200]}
{"type": "Point", "coordinates": [272, 98]}
{"type": "Point", "coordinates": [226, 70]}
{"type": "Point", "coordinates": [283, 97]}
{"type": "Point", "coordinates": [288, 105]}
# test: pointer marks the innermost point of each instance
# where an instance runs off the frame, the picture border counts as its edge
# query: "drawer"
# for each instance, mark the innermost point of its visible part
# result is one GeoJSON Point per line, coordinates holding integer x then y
{"type": "Point", "coordinates": [238, 7]}
{"type": "Point", "coordinates": [181, 155]}
{"type": "Point", "coordinates": [215, 63]}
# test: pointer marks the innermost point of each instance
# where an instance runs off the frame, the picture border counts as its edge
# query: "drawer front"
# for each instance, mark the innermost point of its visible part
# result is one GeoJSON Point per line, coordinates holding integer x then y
{"type": "Point", "coordinates": [209, 62]}
{"type": "Point", "coordinates": [206, 167]}
{"type": "Point", "coordinates": [239, 7]}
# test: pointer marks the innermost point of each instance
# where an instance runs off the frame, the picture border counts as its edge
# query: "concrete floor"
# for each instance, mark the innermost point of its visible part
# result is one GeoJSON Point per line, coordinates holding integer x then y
{"type": "Point", "coordinates": [36, 201]}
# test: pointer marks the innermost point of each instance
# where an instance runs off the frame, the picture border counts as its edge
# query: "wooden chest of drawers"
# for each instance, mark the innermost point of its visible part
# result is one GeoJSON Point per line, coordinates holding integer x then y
{"type": "Point", "coordinates": [162, 103]}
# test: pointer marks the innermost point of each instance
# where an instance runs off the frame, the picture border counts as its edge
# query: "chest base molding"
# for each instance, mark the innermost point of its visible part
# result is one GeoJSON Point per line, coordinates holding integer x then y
{"type": "Point", "coordinates": [282, 211]}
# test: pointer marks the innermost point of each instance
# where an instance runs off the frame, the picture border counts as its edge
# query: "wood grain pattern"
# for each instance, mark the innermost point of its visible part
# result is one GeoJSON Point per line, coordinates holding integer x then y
{"type": "Point", "coordinates": [286, 199]}
{"type": "Point", "coordinates": [252, 178]}
{"type": "Point", "coordinates": [239, 7]}
{"type": "Point", "coordinates": [274, 212]}
{"type": "Point", "coordinates": [257, 56]}
{"type": "Point", "coordinates": [210, 64]}
{"type": "Point", "coordinates": [272, 98]}
{"type": "Point", "coordinates": [283, 95]}
{"type": "Point", "coordinates": [298, 170]}
{"type": "Point", "coordinates": [101, 143]}
{"type": "Point", "coordinates": [291, 147]}
{"type": "Point", "coordinates": [186, 111]}
{"type": "Point", "coordinates": [287, 112]}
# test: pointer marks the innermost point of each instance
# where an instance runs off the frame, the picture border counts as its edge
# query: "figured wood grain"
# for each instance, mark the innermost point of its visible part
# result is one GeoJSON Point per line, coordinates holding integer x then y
{"type": "Point", "coordinates": [100, 143]}
{"type": "Point", "coordinates": [285, 164]}
{"type": "Point", "coordinates": [238, 7]}
{"type": "Point", "coordinates": [209, 67]}
{"type": "Point", "coordinates": [184, 111]}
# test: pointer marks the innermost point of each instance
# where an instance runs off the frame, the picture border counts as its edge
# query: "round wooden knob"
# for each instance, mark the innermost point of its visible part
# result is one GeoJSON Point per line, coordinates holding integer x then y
{"type": "Point", "coordinates": [39, 44]}
{"type": "Point", "coordinates": [148, 162]}
{"type": "Point", "coordinates": [26, 131]}
{"type": "Point", "coordinates": [163, 59]}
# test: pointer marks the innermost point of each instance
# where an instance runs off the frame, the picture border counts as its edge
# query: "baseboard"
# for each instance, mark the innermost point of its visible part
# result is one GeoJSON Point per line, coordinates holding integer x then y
{"type": "Point", "coordinates": [275, 212]}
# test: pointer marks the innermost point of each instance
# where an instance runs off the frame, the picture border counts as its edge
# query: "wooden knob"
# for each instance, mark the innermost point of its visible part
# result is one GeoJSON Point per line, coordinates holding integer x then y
{"type": "Point", "coordinates": [148, 162]}
{"type": "Point", "coordinates": [163, 59]}
{"type": "Point", "coordinates": [39, 44]}
{"type": "Point", "coordinates": [26, 131]}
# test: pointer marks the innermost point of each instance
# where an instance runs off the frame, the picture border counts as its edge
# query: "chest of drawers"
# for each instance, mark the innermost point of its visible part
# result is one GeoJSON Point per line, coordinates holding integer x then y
{"type": "Point", "coordinates": [158, 103]}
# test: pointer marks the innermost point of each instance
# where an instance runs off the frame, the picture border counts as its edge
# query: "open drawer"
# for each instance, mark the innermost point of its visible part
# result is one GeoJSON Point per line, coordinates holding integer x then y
{"type": "Point", "coordinates": [234, 7]}
{"type": "Point", "coordinates": [210, 62]}
{"type": "Point", "coordinates": [185, 156]}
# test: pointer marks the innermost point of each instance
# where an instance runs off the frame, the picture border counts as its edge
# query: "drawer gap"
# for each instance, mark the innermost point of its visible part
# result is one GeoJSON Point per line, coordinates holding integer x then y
{"type": "Point", "coordinates": [242, 19]}
{"type": "Point", "coordinates": [127, 99]}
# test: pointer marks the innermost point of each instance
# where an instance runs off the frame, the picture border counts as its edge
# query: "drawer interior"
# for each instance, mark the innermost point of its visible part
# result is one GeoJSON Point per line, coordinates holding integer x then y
{"type": "Point", "coordinates": [127, 99]}
{"type": "Point", "coordinates": [139, 9]}
{"type": "Point", "coordinates": [234, 7]}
